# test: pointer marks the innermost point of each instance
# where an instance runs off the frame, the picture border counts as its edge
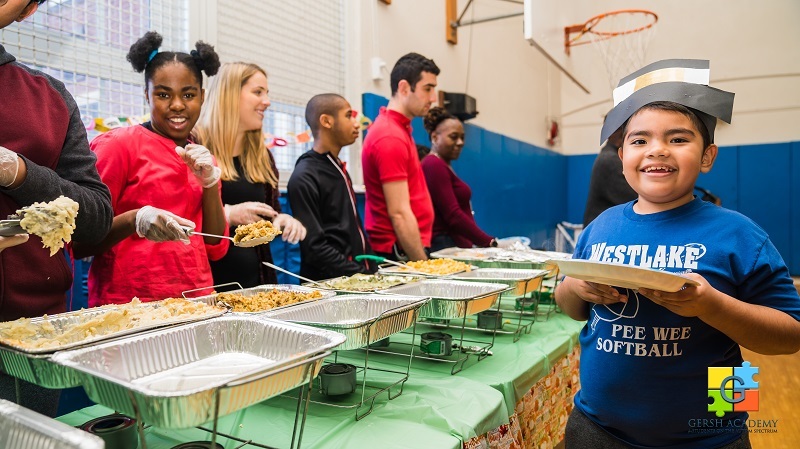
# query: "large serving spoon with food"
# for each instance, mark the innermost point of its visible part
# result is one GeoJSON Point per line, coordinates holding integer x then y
{"type": "Point", "coordinates": [53, 221]}
{"type": "Point", "coordinates": [247, 236]}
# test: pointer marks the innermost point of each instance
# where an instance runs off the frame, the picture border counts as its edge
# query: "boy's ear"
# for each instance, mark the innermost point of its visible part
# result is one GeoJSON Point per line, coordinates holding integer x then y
{"type": "Point", "coordinates": [30, 9]}
{"type": "Point", "coordinates": [326, 121]}
{"type": "Point", "coordinates": [709, 156]}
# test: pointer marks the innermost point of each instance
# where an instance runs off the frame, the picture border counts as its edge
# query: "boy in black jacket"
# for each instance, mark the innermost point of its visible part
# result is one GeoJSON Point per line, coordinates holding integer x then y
{"type": "Point", "coordinates": [321, 194]}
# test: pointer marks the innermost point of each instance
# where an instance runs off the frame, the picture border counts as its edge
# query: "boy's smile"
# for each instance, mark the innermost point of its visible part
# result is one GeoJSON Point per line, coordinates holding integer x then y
{"type": "Point", "coordinates": [662, 155]}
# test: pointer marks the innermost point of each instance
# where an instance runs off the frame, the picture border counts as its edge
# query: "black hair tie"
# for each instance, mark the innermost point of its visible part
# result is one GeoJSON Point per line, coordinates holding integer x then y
{"type": "Point", "coordinates": [198, 60]}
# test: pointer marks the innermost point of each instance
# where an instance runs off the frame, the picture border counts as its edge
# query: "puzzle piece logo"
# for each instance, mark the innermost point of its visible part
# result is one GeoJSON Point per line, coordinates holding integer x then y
{"type": "Point", "coordinates": [732, 389]}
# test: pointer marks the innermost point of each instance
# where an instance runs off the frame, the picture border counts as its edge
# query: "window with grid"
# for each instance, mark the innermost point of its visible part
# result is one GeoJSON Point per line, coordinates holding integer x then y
{"type": "Point", "coordinates": [301, 47]}
{"type": "Point", "coordinates": [84, 42]}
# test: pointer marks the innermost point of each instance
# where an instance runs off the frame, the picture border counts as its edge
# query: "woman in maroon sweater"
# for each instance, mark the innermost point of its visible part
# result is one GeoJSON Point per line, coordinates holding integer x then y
{"type": "Point", "coordinates": [453, 224]}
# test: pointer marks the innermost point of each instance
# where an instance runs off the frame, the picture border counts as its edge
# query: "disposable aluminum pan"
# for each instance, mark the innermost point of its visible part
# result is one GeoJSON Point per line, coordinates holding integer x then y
{"type": "Point", "coordinates": [485, 258]}
{"type": "Point", "coordinates": [174, 376]}
{"type": "Point", "coordinates": [37, 369]}
{"type": "Point", "coordinates": [391, 281]}
{"type": "Point", "coordinates": [35, 365]}
{"type": "Point", "coordinates": [521, 282]}
{"type": "Point", "coordinates": [212, 299]}
{"type": "Point", "coordinates": [21, 428]}
{"type": "Point", "coordinates": [363, 319]}
{"type": "Point", "coordinates": [452, 299]}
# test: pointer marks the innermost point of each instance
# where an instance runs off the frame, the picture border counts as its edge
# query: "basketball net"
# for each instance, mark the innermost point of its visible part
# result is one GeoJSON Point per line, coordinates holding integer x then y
{"type": "Point", "coordinates": [620, 37]}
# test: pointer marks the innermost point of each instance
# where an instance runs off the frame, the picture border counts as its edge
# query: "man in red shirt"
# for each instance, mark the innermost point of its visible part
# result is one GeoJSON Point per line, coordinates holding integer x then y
{"type": "Point", "coordinates": [399, 212]}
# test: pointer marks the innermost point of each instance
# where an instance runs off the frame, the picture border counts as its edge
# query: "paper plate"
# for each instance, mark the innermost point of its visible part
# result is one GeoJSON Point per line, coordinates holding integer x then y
{"type": "Point", "coordinates": [625, 276]}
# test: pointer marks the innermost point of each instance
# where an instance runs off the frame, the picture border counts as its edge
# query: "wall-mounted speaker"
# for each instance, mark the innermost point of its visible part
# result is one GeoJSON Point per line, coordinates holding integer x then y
{"type": "Point", "coordinates": [461, 105]}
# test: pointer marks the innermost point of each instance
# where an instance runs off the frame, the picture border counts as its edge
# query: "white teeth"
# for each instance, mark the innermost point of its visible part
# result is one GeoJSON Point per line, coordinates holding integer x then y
{"type": "Point", "coordinates": [178, 119]}
{"type": "Point", "coordinates": [649, 169]}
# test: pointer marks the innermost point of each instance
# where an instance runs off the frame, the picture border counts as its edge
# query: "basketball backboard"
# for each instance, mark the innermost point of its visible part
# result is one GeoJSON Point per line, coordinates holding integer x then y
{"type": "Point", "coordinates": [544, 22]}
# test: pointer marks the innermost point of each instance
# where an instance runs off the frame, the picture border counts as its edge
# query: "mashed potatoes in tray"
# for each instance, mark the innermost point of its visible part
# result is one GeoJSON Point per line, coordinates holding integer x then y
{"type": "Point", "coordinates": [90, 324]}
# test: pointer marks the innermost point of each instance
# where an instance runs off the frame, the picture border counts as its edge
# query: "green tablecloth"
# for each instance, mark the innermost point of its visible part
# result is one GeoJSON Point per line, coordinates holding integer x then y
{"type": "Point", "coordinates": [436, 409]}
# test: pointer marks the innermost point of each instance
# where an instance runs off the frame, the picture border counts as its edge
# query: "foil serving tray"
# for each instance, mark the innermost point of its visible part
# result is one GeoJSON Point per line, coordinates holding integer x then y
{"type": "Point", "coordinates": [212, 299]}
{"type": "Point", "coordinates": [501, 258]}
{"type": "Point", "coordinates": [21, 428]}
{"type": "Point", "coordinates": [363, 319]}
{"type": "Point", "coordinates": [521, 281]}
{"type": "Point", "coordinates": [174, 377]}
{"type": "Point", "coordinates": [35, 365]}
{"type": "Point", "coordinates": [396, 279]}
{"type": "Point", "coordinates": [452, 299]}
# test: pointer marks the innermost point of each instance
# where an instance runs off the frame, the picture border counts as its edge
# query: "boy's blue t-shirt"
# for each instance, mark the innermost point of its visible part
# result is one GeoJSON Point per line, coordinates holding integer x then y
{"type": "Point", "coordinates": [644, 369]}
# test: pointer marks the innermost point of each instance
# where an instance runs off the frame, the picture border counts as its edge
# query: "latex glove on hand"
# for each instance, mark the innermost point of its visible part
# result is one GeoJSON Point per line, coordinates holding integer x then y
{"type": "Point", "coordinates": [293, 230]}
{"type": "Point", "coordinates": [248, 212]}
{"type": "Point", "coordinates": [508, 242]}
{"type": "Point", "coordinates": [159, 225]}
{"type": "Point", "coordinates": [9, 165]}
{"type": "Point", "coordinates": [14, 240]}
{"type": "Point", "coordinates": [199, 160]}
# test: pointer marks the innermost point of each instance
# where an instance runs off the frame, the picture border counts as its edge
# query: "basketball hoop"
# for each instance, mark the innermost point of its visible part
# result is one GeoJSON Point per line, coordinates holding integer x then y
{"type": "Point", "coordinates": [621, 37]}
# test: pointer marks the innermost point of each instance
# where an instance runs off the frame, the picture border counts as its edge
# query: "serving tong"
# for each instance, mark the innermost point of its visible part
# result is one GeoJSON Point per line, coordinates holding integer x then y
{"type": "Point", "coordinates": [11, 226]}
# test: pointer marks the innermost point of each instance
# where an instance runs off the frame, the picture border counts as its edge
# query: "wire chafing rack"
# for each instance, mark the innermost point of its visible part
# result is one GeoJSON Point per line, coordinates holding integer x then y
{"type": "Point", "coordinates": [365, 319]}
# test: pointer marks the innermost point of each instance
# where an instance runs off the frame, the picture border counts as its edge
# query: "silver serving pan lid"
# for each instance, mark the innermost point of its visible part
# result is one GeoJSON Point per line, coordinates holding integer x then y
{"type": "Point", "coordinates": [21, 428]}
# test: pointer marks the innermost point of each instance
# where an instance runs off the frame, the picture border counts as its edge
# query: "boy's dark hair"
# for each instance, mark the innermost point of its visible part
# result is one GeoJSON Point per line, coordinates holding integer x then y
{"type": "Point", "coordinates": [321, 104]}
{"type": "Point", "coordinates": [144, 56]}
{"type": "Point", "coordinates": [410, 68]}
{"type": "Point", "coordinates": [435, 117]}
{"type": "Point", "coordinates": [675, 107]}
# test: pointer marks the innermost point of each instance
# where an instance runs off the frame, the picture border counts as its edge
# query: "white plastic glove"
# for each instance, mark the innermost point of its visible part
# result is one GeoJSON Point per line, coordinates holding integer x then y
{"type": "Point", "coordinates": [199, 160]}
{"type": "Point", "coordinates": [508, 242]}
{"type": "Point", "coordinates": [14, 240]}
{"type": "Point", "coordinates": [159, 225]}
{"type": "Point", "coordinates": [293, 230]}
{"type": "Point", "coordinates": [9, 165]}
{"type": "Point", "coordinates": [248, 212]}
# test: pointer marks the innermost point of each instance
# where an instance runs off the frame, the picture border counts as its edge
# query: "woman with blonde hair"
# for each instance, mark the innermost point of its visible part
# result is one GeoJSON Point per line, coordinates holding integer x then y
{"type": "Point", "coordinates": [230, 126]}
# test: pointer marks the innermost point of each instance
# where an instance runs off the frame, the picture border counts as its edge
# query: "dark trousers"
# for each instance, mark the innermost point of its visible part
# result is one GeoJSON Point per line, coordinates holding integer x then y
{"type": "Point", "coordinates": [28, 395]}
{"type": "Point", "coordinates": [583, 433]}
{"type": "Point", "coordinates": [442, 241]}
{"type": "Point", "coordinates": [398, 255]}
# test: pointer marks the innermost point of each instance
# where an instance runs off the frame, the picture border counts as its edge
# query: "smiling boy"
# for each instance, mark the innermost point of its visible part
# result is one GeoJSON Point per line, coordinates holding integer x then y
{"type": "Point", "coordinates": [645, 354]}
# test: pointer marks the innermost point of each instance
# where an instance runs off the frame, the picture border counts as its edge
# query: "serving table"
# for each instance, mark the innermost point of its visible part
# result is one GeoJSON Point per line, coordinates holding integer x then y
{"type": "Point", "coordinates": [523, 391]}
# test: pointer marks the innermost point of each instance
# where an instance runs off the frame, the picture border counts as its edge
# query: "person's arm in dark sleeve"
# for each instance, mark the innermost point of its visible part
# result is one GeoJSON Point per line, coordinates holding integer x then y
{"type": "Point", "coordinates": [437, 176]}
{"type": "Point", "coordinates": [274, 201]}
{"type": "Point", "coordinates": [75, 177]}
{"type": "Point", "coordinates": [304, 198]}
